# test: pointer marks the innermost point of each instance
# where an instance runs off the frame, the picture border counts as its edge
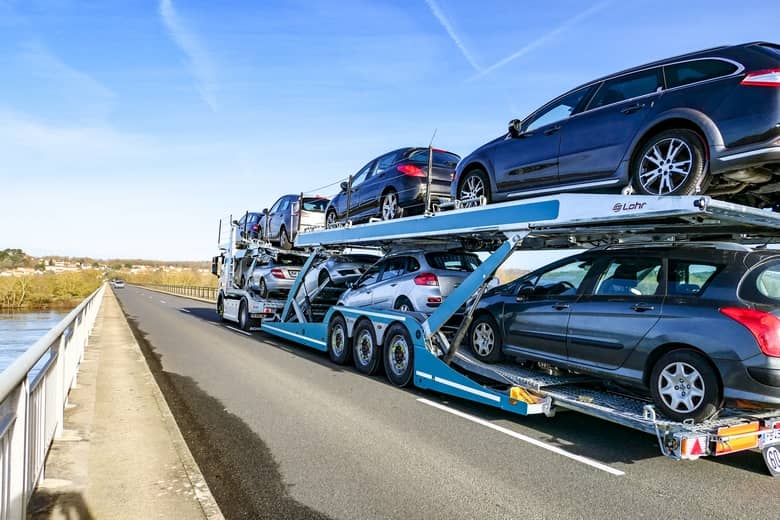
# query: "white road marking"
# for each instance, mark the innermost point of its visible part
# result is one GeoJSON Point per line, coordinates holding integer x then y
{"type": "Point", "coordinates": [524, 438]}
{"type": "Point", "coordinates": [184, 310]}
{"type": "Point", "coordinates": [162, 301]}
{"type": "Point", "coordinates": [245, 333]}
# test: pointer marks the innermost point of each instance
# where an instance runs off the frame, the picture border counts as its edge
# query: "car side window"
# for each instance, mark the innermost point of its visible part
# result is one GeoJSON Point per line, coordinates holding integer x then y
{"type": "Point", "coordinates": [394, 267]}
{"type": "Point", "coordinates": [689, 72]}
{"type": "Point", "coordinates": [626, 87]}
{"type": "Point", "coordinates": [371, 276]}
{"type": "Point", "coordinates": [385, 162]}
{"type": "Point", "coordinates": [688, 278]}
{"type": "Point", "coordinates": [563, 280]}
{"type": "Point", "coordinates": [630, 277]}
{"type": "Point", "coordinates": [557, 111]}
{"type": "Point", "coordinates": [362, 175]}
{"type": "Point", "coordinates": [275, 207]}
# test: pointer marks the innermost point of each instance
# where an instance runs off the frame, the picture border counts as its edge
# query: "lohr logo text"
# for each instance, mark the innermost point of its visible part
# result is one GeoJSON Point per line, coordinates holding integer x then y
{"type": "Point", "coordinates": [630, 206]}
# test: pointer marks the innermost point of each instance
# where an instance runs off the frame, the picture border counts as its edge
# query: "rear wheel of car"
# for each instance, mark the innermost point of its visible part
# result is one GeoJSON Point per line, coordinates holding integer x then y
{"type": "Point", "coordinates": [684, 386]}
{"type": "Point", "coordinates": [404, 305]}
{"type": "Point", "coordinates": [399, 355]}
{"type": "Point", "coordinates": [486, 339]}
{"type": "Point", "coordinates": [284, 239]}
{"type": "Point", "coordinates": [331, 219]}
{"type": "Point", "coordinates": [221, 307]}
{"type": "Point", "coordinates": [474, 185]}
{"type": "Point", "coordinates": [338, 342]}
{"type": "Point", "coordinates": [670, 163]}
{"type": "Point", "coordinates": [365, 350]}
{"type": "Point", "coordinates": [388, 206]}
{"type": "Point", "coordinates": [262, 288]}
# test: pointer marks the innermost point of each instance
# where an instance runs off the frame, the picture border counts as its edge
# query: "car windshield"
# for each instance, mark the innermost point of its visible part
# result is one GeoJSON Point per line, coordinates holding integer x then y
{"type": "Point", "coordinates": [440, 157]}
{"type": "Point", "coordinates": [453, 261]}
{"type": "Point", "coordinates": [290, 260]}
{"type": "Point", "coordinates": [317, 204]}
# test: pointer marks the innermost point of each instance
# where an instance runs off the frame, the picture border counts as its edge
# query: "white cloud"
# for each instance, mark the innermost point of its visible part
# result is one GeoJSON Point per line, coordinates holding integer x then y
{"type": "Point", "coordinates": [445, 23]}
{"type": "Point", "coordinates": [200, 61]}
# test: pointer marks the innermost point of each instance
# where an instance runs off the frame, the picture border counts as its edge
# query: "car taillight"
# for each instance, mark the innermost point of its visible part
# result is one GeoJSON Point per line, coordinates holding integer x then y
{"type": "Point", "coordinates": [255, 227]}
{"type": "Point", "coordinates": [428, 279]}
{"type": "Point", "coordinates": [411, 170]}
{"type": "Point", "coordinates": [277, 273]}
{"type": "Point", "coordinates": [762, 78]}
{"type": "Point", "coordinates": [764, 326]}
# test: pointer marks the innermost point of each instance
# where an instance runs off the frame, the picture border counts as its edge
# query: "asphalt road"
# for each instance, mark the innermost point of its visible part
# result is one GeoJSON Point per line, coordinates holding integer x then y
{"type": "Point", "coordinates": [281, 432]}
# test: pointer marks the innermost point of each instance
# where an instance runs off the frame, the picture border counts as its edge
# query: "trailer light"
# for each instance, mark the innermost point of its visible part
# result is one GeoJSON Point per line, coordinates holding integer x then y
{"type": "Point", "coordinates": [762, 78]}
{"type": "Point", "coordinates": [737, 438]}
{"type": "Point", "coordinates": [277, 273]}
{"type": "Point", "coordinates": [764, 326]}
{"type": "Point", "coordinates": [411, 170]}
{"type": "Point", "coordinates": [428, 279]}
{"type": "Point", "coordinates": [434, 299]}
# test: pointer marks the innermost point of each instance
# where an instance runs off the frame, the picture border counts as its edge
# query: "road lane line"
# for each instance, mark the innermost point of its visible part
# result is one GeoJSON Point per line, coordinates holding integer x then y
{"type": "Point", "coordinates": [184, 310]}
{"type": "Point", "coordinates": [245, 333]}
{"type": "Point", "coordinates": [524, 438]}
{"type": "Point", "coordinates": [162, 301]}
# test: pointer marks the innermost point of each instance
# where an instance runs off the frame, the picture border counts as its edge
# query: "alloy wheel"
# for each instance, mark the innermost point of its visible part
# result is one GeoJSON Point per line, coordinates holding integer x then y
{"type": "Point", "coordinates": [681, 387]}
{"type": "Point", "coordinates": [666, 166]}
{"type": "Point", "coordinates": [389, 206]}
{"type": "Point", "coordinates": [472, 188]}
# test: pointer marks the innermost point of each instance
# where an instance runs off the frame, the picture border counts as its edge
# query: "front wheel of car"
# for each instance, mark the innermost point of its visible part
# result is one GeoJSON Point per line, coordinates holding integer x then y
{"type": "Point", "coordinates": [670, 163]}
{"type": "Point", "coordinates": [485, 339]}
{"type": "Point", "coordinates": [331, 219]}
{"type": "Point", "coordinates": [473, 186]}
{"type": "Point", "coordinates": [684, 386]}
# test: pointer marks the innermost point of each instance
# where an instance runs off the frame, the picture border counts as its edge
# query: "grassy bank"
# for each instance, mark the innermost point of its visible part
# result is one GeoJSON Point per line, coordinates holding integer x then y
{"type": "Point", "coordinates": [48, 290]}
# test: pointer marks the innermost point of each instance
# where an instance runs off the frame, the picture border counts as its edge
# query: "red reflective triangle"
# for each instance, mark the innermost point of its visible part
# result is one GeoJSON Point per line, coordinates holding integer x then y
{"type": "Point", "coordinates": [697, 448]}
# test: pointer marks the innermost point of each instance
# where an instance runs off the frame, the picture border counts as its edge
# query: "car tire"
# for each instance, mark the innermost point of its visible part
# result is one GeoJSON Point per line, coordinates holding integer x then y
{"type": "Point", "coordinates": [366, 353]}
{"type": "Point", "coordinates": [403, 304]}
{"type": "Point", "coordinates": [339, 345]}
{"type": "Point", "coordinates": [684, 385]}
{"type": "Point", "coordinates": [474, 184]}
{"type": "Point", "coordinates": [262, 288]}
{"type": "Point", "coordinates": [389, 205]}
{"type": "Point", "coordinates": [653, 171]}
{"type": "Point", "coordinates": [284, 239]}
{"type": "Point", "coordinates": [221, 307]}
{"type": "Point", "coordinates": [398, 355]}
{"type": "Point", "coordinates": [331, 219]}
{"type": "Point", "coordinates": [485, 339]}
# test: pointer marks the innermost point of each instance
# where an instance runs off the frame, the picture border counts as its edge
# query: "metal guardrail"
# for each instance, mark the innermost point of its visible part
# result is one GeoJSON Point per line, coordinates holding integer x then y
{"type": "Point", "coordinates": [191, 291]}
{"type": "Point", "coordinates": [32, 404]}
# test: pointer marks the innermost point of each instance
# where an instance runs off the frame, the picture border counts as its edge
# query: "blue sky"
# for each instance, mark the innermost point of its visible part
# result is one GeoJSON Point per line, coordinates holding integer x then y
{"type": "Point", "coordinates": [128, 128]}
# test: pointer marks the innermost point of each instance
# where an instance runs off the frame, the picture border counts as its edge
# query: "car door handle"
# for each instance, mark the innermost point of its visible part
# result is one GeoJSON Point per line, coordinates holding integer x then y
{"type": "Point", "coordinates": [642, 307]}
{"type": "Point", "coordinates": [552, 130]}
{"type": "Point", "coordinates": [633, 108]}
{"type": "Point", "coordinates": [560, 306]}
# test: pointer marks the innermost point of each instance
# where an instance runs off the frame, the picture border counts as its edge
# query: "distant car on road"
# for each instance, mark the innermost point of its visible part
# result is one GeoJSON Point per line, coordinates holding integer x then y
{"type": "Point", "coordinates": [280, 223]}
{"type": "Point", "coordinates": [118, 284]}
{"type": "Point", "coordinates": [411, 281]}
{"type": "Point", "coordinates": [275, 275]}
{"type": "Point", "coordinates": [691, 324]}
{"type": "Point", "coordinates": [392, 185]}
{"type": "Point", "coordinates": [705, 122]}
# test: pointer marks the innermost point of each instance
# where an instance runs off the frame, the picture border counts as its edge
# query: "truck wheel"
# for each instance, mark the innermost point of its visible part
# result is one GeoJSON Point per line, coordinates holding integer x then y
{"type": "Point", "coordinates": [485, 339]}
{"type": "Point", "coordinates": [221, 307]}
{"type": "Point", "coordinates": [365, 350]}
{"type": "Point", "coordinates": [670, 163]}
{"type": "Point", "coordinates": [684, 386]}
{"type": "Point", "coordinates": [243, 316]}
{"type": "Point", "coordinates": [399, 355]}
{"type": "Point", "coordinates": [339, 348]}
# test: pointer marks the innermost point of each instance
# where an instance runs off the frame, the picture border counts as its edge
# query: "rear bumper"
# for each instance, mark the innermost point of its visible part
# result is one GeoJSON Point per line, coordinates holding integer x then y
{"type": "Point", "coordinates": [746, 157]}
{"type": "Point", "coordinates": [756, 380]}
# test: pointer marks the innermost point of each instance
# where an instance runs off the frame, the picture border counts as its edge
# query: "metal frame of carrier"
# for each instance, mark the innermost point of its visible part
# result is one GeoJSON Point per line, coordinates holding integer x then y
{"type": "Point", "coordinates": [433, 361]}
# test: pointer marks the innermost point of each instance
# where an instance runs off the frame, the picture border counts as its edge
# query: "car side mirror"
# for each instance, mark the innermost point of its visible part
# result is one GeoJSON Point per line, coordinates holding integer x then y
{"type": "Point", "coordinates": [344, 186]}
{"type": "Point", "coordinates": [525, 291]}
{"type": "Point", "coordinates": [515, 127]}
{"type": "Point", "coordinates": [265, 211]}
{"type": "Point", "coordinates": [350, 285]}
{"type": "Point", "coordinates": [235, 222]}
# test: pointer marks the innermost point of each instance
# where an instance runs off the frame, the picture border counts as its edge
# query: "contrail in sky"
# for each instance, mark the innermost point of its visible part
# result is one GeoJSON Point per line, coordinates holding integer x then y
{"type": "Point", "coordinates": [439, 14]}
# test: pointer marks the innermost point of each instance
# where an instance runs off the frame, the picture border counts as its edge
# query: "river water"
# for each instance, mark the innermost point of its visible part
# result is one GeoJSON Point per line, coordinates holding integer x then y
{"type": "Point", "coordinates": [19, 330]}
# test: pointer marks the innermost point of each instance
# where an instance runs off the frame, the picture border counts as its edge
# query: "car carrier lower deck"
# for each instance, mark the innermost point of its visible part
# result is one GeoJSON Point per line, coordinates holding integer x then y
{"type": "Point", "coordinates": [434, 360]}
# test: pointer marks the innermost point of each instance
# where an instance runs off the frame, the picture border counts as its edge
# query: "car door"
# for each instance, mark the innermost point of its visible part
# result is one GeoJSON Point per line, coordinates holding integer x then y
{"type": "Point", "coordinates": [268, 220]}
{"type": "Point", "coordinates": [608, 322]}
{"type": "Point", "coordinates": [379, 177]}
{"type": "Point", "coordinates": [530, 158]}
{"type": "Point", "coordinates": [594, 142]}
{"type": "Point", "coordinates": [536, 321]}
{"type": "Point", "coordinates": [385, 290]}
{"type": "Point", "coordinates": [277, 218]}
{"type": "Point", "coordinates": [352, 200]}
{"type": "Point", "coordinates": [362, 292]}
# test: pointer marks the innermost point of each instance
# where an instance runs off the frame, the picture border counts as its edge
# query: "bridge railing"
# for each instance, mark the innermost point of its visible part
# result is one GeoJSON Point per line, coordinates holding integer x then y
{"type": "Point", "coordinates": [191, 291]}
{"type": "Point", "coordinates": [33, 394]}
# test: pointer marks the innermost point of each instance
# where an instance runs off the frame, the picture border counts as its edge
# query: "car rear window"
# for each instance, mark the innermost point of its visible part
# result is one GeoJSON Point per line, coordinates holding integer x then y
{"type": "Point", "coordinates": [290, 260]}
{"type": "Point", "coordinates": [315, 204]}
{"type": "Point", "coordinates": [689, 72]}
{"type": "Point", "coordinates": [440, 157]}
{"type": "Point", "coordinates": [453, 261]}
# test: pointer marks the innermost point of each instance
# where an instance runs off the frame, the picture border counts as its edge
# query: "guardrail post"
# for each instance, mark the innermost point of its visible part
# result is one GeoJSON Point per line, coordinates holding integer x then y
{"type": "Point", "coordinates": [14, 444]}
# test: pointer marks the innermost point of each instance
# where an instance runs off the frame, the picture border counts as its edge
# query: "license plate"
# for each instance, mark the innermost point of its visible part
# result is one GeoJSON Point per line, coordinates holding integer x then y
{"type": "Point", "coordinates": [293, 274]}
{"type": "Point", "coordinates": [770, 437]}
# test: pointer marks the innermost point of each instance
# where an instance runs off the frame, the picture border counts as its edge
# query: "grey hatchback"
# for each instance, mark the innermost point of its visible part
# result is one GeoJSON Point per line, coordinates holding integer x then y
{"type": "Point", "coordinates": [695, 324]}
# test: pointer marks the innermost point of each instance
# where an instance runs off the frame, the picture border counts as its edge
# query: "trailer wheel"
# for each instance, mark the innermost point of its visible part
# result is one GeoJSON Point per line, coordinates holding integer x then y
{"type": "Point", "coordinates": [399, 355]}
{"type": "Point", "coordinates": [684, 386]}
{"type": "Point", "coordinates": [365, 350]}
{"type": "Point", "coordinates": [221, 307]}
{"type": "Point", "coordinates": [243, 316]}
{"type": "Point", "coordinates": [339, 348]}
{"type": "Point", "coordinates": [485, 339]}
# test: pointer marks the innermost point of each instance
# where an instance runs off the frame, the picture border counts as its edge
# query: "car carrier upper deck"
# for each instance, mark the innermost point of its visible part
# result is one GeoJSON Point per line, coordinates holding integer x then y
{"type": "Point", "coordinates": [417, 350]}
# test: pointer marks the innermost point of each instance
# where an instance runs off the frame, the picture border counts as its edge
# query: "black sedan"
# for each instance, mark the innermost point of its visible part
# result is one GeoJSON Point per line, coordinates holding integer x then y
{"type": "Point", "coordinates": [696, 325]}
{"type": "Point", "coordinates": [393, 185]}
{"type": "Point", "coordinates": [706, 122]}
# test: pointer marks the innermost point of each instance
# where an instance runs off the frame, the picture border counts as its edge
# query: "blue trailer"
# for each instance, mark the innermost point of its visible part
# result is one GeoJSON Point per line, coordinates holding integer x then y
{"type": "Point", "coordinates": [414, 349]}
